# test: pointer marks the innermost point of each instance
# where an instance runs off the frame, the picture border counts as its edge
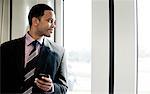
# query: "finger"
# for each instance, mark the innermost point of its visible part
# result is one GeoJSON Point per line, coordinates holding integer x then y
{"type": "Point", "coordinates": [47, 79]}
{"type": "Point", "coordinates": [43, 87]}
{"type": "Point", "coordinates": [43, 82]}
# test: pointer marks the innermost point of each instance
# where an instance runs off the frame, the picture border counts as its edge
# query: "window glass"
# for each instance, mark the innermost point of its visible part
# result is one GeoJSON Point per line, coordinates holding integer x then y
{"type": "Point", "coordinates": [77, 42]}
{"type": "Point", "coordinates": [144, 47]}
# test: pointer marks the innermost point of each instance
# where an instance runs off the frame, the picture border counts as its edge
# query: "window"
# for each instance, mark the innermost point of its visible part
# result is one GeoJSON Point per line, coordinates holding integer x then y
{"type": "Point", "coordinates": [77, 42]}
{"type": "Point", "coordinates": [144, 47]}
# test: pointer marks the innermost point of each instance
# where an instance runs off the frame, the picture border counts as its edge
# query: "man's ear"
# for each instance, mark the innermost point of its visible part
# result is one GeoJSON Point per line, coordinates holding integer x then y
{"type": "Point", "coordinates": [35, 21]}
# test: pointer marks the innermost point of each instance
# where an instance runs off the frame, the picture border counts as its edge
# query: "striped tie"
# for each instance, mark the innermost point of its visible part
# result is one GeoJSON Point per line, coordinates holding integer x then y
{"type": "Point", "coordinates": [30, 69]}
{"type": "Point", "coordinates": [34, 44]}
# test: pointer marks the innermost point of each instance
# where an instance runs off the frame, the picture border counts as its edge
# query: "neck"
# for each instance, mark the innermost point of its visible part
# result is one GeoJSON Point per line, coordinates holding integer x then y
{"type": "Point", "coordinates": [34, 35]}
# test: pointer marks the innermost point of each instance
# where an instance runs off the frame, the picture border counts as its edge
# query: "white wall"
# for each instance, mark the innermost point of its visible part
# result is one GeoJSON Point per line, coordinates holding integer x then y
{"type": "Point", "coordinates": [19, 18]}
{"type": "Point", "coordinates": [100, 47]}
{"type": "Point", "coordinates": [4, 20]}
{"type": "Point", "coordinates": [59, 22]}
{"type": "Point", "coordinates": [125, 74]}
{"type": "Point", "coordinates": [125, 47]}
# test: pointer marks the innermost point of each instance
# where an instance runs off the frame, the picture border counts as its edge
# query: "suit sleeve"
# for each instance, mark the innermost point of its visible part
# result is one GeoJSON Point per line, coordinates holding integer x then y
{"type": "Point", "coordinates": [60, 73]}
{"type": "Point", "coordinates": [60, 84]}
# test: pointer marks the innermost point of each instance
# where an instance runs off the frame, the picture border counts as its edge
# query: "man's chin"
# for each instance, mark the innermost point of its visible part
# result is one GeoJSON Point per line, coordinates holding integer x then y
{"type": "Point", "coordinates": [48, 35]}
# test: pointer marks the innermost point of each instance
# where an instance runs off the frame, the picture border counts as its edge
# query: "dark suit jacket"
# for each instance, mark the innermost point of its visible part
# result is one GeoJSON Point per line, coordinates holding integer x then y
{"type": "Point", "coordinates": [51, 61]}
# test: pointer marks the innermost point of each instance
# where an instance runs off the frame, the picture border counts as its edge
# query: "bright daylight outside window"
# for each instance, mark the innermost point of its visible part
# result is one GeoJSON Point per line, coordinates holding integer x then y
{"type": "Point", "coordinates": [77, 42]}
{"type": "Point", "coordinates": [144, 47]}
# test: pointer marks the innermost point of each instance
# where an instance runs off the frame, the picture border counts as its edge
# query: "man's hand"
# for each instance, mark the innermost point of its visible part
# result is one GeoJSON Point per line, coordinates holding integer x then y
{"type": "Point", "coordinates": [44, 83]}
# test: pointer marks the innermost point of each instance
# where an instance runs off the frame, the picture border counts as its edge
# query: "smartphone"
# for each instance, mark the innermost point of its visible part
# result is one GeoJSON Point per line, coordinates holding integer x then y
{"type": "Point", "coordinates": [42, 75]}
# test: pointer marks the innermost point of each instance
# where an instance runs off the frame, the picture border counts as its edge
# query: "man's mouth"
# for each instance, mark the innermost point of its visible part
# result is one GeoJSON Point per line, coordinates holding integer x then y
{"type": "Point", "coordinates": [50, 30]}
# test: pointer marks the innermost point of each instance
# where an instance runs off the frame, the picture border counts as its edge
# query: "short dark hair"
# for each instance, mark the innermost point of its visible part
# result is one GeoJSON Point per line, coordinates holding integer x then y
{"type": "Point", "coordinates": [37, 11]}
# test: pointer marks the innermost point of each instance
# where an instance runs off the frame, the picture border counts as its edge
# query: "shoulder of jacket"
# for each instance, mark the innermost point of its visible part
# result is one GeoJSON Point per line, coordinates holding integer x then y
{"type": "Point", "coordinates": [13, 42]}
{"type": "Point", "coordinates": [54, 46]}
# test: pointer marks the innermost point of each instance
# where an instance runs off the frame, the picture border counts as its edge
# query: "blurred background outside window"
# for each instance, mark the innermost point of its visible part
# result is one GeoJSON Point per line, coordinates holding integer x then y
{"type": "Point", "coordinates": [77, 42]}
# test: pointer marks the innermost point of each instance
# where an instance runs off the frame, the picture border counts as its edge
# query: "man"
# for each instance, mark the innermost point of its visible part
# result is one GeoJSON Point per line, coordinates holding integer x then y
{"type": "Point", "coordinates": [33, 64]}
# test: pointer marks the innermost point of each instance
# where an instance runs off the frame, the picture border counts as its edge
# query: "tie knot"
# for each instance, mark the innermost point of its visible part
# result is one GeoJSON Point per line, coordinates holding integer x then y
{"type": "Point", "coordinates": [34, 43]}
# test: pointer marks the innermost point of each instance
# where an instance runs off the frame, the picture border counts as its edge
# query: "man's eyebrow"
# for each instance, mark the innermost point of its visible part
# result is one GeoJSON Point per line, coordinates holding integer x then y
{"type": "Point", "coordinates": [50, 18]}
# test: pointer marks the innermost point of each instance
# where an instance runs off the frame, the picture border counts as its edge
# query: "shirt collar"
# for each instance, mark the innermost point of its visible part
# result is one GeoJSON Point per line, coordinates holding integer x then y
{"type": "Point", "coordinates": [29, 39]}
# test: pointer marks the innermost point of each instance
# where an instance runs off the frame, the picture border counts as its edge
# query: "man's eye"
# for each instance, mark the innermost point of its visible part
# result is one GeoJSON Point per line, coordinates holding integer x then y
{"type": "Point", "coordinates": [51, 21]}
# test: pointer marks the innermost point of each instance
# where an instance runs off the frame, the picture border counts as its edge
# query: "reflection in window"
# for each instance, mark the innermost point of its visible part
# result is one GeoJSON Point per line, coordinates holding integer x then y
{"type": "Point", "coordinates": [144, 47]}
{"type": "Point", "coordinates": [77, 42]}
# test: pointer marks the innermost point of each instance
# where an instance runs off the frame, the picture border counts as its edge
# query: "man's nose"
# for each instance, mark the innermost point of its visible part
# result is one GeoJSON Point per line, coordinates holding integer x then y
{"type": "Point", "coordinates": [53, 25]}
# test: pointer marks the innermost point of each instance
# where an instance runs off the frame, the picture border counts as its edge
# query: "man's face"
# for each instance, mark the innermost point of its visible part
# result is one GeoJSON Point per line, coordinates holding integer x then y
{"type": "Point", "coordinates": [46, 24]}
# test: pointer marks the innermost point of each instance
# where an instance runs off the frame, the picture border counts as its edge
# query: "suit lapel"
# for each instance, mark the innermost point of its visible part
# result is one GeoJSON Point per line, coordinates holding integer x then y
{"type": "Point", "coordinates": [48, 61]}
